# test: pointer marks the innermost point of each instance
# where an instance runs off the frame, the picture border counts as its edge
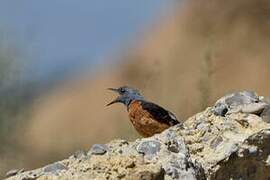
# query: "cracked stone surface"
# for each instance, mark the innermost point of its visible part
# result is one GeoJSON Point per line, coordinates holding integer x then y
{"type": "Point", "coordinates": [227, 141]}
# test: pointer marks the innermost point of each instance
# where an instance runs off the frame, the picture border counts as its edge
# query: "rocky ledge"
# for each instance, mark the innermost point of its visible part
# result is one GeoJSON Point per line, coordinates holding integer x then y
{"type": "Point", "coordinates": [230, 140]}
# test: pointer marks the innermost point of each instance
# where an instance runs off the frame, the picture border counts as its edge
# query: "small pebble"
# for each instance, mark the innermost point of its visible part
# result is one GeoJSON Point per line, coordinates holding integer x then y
{"type": "Point", "coordinates": [149, 147]}
{"type": "Point", "coordinates": [220, 109]}
{"type": "Point", "coordinates": [98, 149]}
{"type": "Point", "coordinates": [55, 167]}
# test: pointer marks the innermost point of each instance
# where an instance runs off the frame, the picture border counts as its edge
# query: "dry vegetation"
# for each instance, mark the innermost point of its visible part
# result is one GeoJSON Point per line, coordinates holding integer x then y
{"type": "Point", "coordinates": [207, 48]}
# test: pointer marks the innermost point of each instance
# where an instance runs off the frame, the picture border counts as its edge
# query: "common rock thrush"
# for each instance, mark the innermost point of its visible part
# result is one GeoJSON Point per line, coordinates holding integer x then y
{"type": "Point", "coordinates": [147, 118]}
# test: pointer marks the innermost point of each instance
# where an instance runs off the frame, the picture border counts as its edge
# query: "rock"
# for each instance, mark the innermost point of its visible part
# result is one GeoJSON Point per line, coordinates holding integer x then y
{"type": "Point", "coordinates": [14, 172]}
{"type": "Point", "coordinates": [244, 102]}
{"type": "Point", "coordinates": [54, 168]}
{"type": "Point", "coordinates": [148, 147]}
{"type": "Point", "coordinates": [80, 154]}
{"type": "Point", "coordinates": [31, 175]}
{"type": "Point", "coordinates": [266, 114]}
{"type": "Point", "coordinates": [174, 143]}
{"type": "Point", "coordinates": [173, 146]}
{"type": "Point", "coordinates": [98, 149]}
{"type": "Point", "coordinates": [228, 141]}
{"type": "Point", "coordinates": [265, 100]}
{"type": "Point", "coordinates": [220, 109]}
{"type": "Point", "coordinates": [244, 97]}
{"type": "Point", "coordinates": [253, 108]}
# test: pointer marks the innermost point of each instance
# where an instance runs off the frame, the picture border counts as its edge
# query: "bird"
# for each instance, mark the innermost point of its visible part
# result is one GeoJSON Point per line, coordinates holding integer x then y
{"type": "Point", "coordinates": [147, 118]}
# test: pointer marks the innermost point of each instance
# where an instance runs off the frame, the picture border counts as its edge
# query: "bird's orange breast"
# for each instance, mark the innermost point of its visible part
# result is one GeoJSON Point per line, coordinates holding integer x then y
{"type": "Point", "coordinates": [143, 121]}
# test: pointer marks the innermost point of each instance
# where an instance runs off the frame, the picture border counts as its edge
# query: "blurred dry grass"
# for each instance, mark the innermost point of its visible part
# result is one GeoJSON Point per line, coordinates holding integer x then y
{"type": "Point", "coordinates": [205, 49]}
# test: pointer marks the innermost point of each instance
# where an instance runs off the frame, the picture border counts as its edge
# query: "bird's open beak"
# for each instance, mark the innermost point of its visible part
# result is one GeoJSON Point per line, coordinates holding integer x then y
{"type": "Point", "coordinates": [113, 89]}
{"type": "Point", "coordinates": [117, 99]}
{"type": "Point", "coordinates": [114, 101]}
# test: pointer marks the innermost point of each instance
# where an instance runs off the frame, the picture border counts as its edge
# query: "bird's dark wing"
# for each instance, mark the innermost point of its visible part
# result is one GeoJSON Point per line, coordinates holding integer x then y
{"type": "Point", "coordinates": [159, 113]}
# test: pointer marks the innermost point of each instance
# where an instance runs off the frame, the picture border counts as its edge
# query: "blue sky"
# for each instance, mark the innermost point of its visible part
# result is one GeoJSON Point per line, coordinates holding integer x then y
{"type": "Point", "coordinates": [60, 35]}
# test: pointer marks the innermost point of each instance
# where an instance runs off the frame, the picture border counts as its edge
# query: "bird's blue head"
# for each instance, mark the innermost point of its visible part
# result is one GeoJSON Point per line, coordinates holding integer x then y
{"type": "Point", "coordinates": [126, 95]}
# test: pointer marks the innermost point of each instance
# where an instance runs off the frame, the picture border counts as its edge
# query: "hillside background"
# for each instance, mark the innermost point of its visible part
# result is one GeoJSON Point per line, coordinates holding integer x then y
{"type": "Point", "coordinates": [183, 59]}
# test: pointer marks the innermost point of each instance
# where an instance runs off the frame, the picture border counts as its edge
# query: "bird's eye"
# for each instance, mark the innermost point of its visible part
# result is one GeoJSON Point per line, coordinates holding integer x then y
{"type": "Point", "coordinates": [122, 90]}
